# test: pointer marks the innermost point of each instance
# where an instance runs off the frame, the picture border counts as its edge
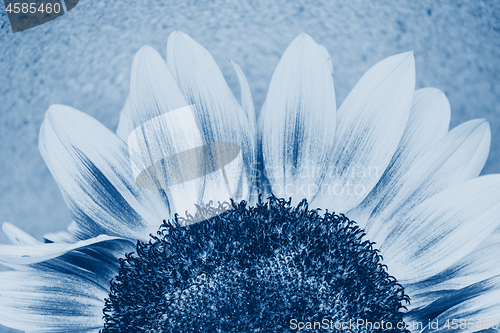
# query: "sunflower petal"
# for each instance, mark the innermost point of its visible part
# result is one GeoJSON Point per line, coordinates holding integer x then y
{"type": "Point", "coordinates": [13, 255]}
{"type": "Point", "coordinates": [153, 90]}
{"type": "Point", "coordinates": [72, 235]}
{"type": "Point", "coordinates": [480, 313]}
{"type": "Point", "coordinates": [443, 229]}
{"type": "Point", "coordinates": [98, 262]}
{"type": "Point", "coordinates": [17, 236]}
{"type": "Point", "coordinates": [370, 125]}
{"type": "Point", "coordinates": [481, 264]}
{"type": "Point", "coordinates": [248, 106]}
{"type": "Point", "coordinates": [433, 304]}
{"type": "Point", "coordinates": [92, 168]}
{"type": "Point", "coordinates": [168, 154]}
{"type": "Point", "coordinates": [220, 117]}
{"type": "Point", "coordinates": [123, 129]}
{"type": "Point", "coordinates": [246, 98]}
{"type": "Point", "coordinates": [297, 121]}
{"type": "Point", "coordinates": [428, 123]}
{"type": "Point", "coordinates": [49, 302]}
{"type": "Point", "coordinates": [458, 157]}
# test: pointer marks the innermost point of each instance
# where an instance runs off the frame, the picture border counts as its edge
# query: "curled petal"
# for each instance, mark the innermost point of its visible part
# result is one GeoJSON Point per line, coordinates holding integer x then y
{"type": "Point", "coordinates": [14, 255]}
{"type": "Point", "coordinates": [17, 236]}
{"type": "Point", "coordinates": [246, 98]}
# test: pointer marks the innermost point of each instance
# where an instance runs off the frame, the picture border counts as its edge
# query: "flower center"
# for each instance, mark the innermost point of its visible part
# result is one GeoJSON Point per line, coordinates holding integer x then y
{"type": "Point", "coordinates": [268, 268]}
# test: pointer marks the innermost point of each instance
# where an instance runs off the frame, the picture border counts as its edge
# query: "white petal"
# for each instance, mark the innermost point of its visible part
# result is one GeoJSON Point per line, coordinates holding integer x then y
{"type": "Point", "coordinates": [50, 302]}
{"type": "Point", "coordinates": [72, 235]}
{"type": "Point", "coordinates": [443, 229]}
{"type": "Point", "coordinates": [476, 314]}
{"type": "Point", "coordinates": [458, 157]}
{"type": "Point", "coordinates": [92, 168]}
{"type": "Point", "coordinates": [481, 264]}
{"type": "Point", "coordinates": [433, 304]}
{"type": "Point", "coordinates": [123, 129]}
{"type": "Point", "coordinates": [297, 121]}
{"type": "Point", "coordinates": [17, 236]}
{"type": "Point", "coordinates": [327, 57]}
{"type": "Point", "coordinates": [13, 255]}
{"type": "Point", "coordinates": [153, 90]}
{"type": "Point", "coordinates": [428, 123]}
{"type": "Point", "coordinates": [98, 262]}
{"type": "Point", "coordinates": [247, 103]}
{"type": "Point", "coordinates": [246, 98]}
{"type": "Point", "coordinates": [168, 153]}
{"type": "Point", "coordinates": [65, 236]}
{"type": "Point", "coordinates": [370, 124]}
{"type": "Point", "coordinates": [220, 117]}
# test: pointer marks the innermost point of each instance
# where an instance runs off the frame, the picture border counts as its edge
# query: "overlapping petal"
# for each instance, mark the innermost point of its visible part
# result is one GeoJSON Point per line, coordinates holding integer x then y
{"type": "Point", "coordinates": [35, 301]}
{"type": "Point", "coordinates": [428, 123]}
{"type": "Point", "coordinates": [443, 229]}
{"type": "Point", "coordinates": [16, 255]}
{"type": "Point", "coordinates": [124, 122]}
{"type": "Point", "coordinates": [481, 264]}
{"type": "Point", "coordinates": [17, 236]}
{"type": "Point", "coordinates": [480, 313]}
{"type": "Point", "coordinates": [370, 125]}
{"type": "Point", "coordinates": [427, 306]}
{"type": "Point", "coordinates": [153, 89]}
{"type": "Point", "coordinates": [246, 99]}
{"type": "Point", "coordinates": [73, 234]}
{"type": "Point", "coordinates": [458, 157]}
{"type": "Point", "coordinates": [220, 117]}
{"type": "Point", "coordinates": [92, 168]}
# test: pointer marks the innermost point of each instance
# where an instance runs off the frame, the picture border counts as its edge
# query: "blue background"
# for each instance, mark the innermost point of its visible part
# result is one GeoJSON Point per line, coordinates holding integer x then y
{"type": "Point", "coordinates": [83, 59]}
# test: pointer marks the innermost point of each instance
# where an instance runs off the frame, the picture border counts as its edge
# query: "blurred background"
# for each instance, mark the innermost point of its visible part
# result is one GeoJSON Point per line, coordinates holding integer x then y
{"type": "Point", "coordinates": [83, 60]}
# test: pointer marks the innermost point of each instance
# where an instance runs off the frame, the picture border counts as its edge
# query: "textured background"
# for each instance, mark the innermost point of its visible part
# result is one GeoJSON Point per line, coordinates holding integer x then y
{"type": "Point", "coordinates": [83, 59]}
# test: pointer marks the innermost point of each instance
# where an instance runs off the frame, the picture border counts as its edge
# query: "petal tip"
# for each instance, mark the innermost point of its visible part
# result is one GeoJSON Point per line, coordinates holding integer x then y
{"type": "Point", "coordinates": [408, 57]}
{"type": "Point", "coordinates": [178, 36]}
{"type": "Point", "coordinates": [485, 125]}
{"type": "Point", "coordinates": [56, 111]}
{"type": "Point", "coordinates": [481, 124]}
{"type": "Point", "coordinates": [403, 59]}
{"type": "Point", "coordinates": [145, 49]}
{"type": "Point", "coordinates": [7, 226]}
{"type": "Point", "coordinates": [146, 55]}
{"type": "Point", "coordinates": [304, 40]}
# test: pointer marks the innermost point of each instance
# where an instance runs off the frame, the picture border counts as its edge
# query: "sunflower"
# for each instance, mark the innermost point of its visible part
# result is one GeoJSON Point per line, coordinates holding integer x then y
{"type": "Point", "coordinates": [199, 215]}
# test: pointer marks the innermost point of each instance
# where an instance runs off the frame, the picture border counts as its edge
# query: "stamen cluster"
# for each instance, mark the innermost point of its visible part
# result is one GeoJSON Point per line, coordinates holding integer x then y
{"type": "Point", "coordinates": [253, 269]}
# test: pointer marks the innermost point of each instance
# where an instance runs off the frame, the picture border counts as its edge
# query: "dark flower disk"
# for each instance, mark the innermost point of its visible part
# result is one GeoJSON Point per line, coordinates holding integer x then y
{"type": "Point", "coordinates": [253, 269]}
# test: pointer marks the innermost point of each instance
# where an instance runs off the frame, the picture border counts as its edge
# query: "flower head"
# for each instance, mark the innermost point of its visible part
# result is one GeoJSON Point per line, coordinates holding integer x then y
{"type": "Point", "coordinates": [186, 151]}
{"type": "Point", "coordinates": [251, 268]}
